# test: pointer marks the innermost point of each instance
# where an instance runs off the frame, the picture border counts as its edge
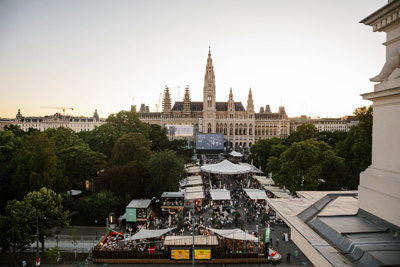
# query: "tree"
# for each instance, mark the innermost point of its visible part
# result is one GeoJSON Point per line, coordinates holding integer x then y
{"type": "Point", "coordinates": [36, 165]}
{"type": "Point", "coordinates": [75, 236]}
{"type": "Point", "coordinates": [128, 122]}
{"type": "Point", "coordinates": [17, 227]}
{"type": "Point", "coordinates": [356, 149]}
{"type": "Point", "coordinates": [180, 146]}
{"type": "Point", "coordinates": [331, 138]}
{"type": "Point", "coordinates": [303, 132]}
{"type": "Point", "coordinates": [9, 144]}
{"type": "Point", "coordinates": [158, 137]}
{"type": "Point", "coordinates": [263, 149]}
{"type": "Point", "coordinates": [54, 254]}
{"type": "Point", "coordinates": [81, 163]}
{"type": "Point", "coordinates": [64, 138]}
{"type": "Point", "coordinates": [304, 164]}
{"type": "Point", "coordinates": [130, 148]}
{"type": "Point", "coordinates": [129, 179]}
{"type": "Point", "coordinates": [166, 171]}
{"type": "Point", "coordinates": [98, 205]}
{"type": "Point", "coordinates": [15, 129]}
{"type": "Point", "coordinates": [46, 205]}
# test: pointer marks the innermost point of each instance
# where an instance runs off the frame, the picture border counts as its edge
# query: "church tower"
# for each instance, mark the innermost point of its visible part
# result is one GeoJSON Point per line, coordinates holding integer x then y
{"type": "Point", "coordinates": [209, 110]}
{"type": "Point", "coordinates": [186, 103]}
{"type": "Point", "coordinates": [166, 104]}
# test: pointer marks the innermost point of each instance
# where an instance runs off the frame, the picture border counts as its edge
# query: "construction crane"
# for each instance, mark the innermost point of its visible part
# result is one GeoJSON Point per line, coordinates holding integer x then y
{"type": "Point", "coordinates": [62, 108]}
{"type": "Point", "coordinates": [159, 103]}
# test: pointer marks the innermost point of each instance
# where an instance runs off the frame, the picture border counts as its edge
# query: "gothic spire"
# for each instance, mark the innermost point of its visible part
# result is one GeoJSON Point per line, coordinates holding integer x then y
{"type": "Point", "coordinates": [250, 103]}
{"type": "Point", "coordinates": [166, 105]}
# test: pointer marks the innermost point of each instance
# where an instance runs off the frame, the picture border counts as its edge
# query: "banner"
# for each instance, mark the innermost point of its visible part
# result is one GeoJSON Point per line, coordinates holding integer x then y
{"type": "Point", "coordinates": [267, 231]}
{"type": "Point", "coordinates": [180, 254]}
{"type": "Point", "coordinates": [202, 254]}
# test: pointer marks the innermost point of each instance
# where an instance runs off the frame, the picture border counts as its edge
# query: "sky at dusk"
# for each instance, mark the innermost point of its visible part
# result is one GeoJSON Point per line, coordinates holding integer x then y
{"type": "Point", "coordinates": [313, 57]}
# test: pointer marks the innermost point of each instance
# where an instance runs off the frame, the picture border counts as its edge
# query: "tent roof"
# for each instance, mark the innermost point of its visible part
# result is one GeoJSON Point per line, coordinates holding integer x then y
{"type": "Point", "coordinates": [172, 194]}
{"type": "Point", "coordinates": [193, 169]}
{"type": "Point", "coordinates": [253, 169]}
{"type": "Point", "coordinates": [145, 233]}
{"type": "Point", "coordinates": [225, 167]}
{"type": "Point", "coordinates": [256, 193]}
{"type": "Point", "coordinates": [210, 240]}
{"type": "Point", "coordinates": [194, 189]}
{"type": "Point", "coordinates": [235, 154]}
{"type": "Point", "coordinates": [194, 195]}
{"type": "Point", "coordinates": [220, 194]}
{"type": "Point", "coordinates": [236, 234]}
{"type": "Point", "coordinates": [139, 204]}
{"type": "Point", "coordinates": [264, 180]}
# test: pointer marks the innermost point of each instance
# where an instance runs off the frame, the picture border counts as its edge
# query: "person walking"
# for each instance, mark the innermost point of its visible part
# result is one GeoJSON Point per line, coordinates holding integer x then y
{"type": "Point", "coordinates": [288, 257]}
{"type": "Point", "coordinates": [277, 241]}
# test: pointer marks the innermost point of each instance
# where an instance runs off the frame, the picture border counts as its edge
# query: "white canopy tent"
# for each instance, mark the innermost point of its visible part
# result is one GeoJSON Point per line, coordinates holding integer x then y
{"type": "Point", "coordinates": [193, 169]}
{"type": "Point", "coordinates": [264, 180]}
{"type": "Point", "coordinates": [235, 154]}
{"type": "Point", "coordinates": [256, 194]}
{"type": "Point", "coordinates": [225, 167]}
{"type": "Point", "coordinates": [237, 234]}
{"type": "Point", "coordinates": [194, 189]}
{"type": "Point", "coordinates": [220, 194]}
{"type": "Point", "coordinates": [253, 169]}
{"type": "Point", "coordinates": [194, 195]}
{"type": "Point", "coordinates": [145, 233]}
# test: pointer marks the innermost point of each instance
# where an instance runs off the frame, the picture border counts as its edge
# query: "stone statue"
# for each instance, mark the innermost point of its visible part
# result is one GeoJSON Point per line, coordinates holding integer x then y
{"type": "Point", "coordinates": [391, 64]}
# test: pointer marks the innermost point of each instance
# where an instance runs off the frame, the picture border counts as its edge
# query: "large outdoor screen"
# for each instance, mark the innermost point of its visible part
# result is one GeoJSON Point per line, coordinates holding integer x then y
{"type": "Point", "coordinates": [210, 141]}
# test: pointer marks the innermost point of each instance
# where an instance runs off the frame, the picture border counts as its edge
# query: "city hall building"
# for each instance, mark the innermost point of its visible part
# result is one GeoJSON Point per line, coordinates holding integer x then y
{"type": "Point", "coordinates": [242, 126]}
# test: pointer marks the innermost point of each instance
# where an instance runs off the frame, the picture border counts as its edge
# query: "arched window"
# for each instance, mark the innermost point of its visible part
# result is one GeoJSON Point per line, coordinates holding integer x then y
{"type": "Point", "coordinates": [209, 128]}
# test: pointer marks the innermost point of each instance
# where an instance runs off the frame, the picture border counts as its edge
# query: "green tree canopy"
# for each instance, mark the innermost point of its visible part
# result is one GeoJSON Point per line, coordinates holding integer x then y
{"type": "Point", "coordinates": [98, 205]}
{"type": "Point", "coordinates": [263, 149]}
{"type": "Point", "coordinates": [308, 160]}
{"type": "Point", "coordinates": [129, 179]}
{"type": "Point", "coordinates": [130, 147]}
{"type": "Point", "coordinates": [128, 122]}
{"type": "Point", "coordinates": [47, 207]}
{"type": "Point", "coordinates": [331, 138]}
{"type": "Point", "coordinates": [166, 171]}
{"type": "Point", "coordinates": [158, 137]}
{"type": "Point", "coordinates": [15, 129]}
{"type": "Point", "coordinates": [81, 163]}
{"type": "Point", "coordinates": [64, 138]}
{"type": "Point", "coordinates": [303, 132]}
{"type": "Point", "coordinates": [9, 144]}
{"type": "Point", "coordinates": [36, 165]}
{"type": "Point", "coordinates": [16, 227]}
{"type": "Point", "coordinates": [356, 149]}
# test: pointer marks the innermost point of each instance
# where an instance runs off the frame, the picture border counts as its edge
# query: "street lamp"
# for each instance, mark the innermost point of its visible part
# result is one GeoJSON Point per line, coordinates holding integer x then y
{"type": "Point", "coordinates": [95, 221]}
{"type": "Point", "coordinates": [130, 231]}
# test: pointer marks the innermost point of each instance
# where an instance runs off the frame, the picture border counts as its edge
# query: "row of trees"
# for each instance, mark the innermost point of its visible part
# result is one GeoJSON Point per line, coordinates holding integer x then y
{"type": "Point", "coordinates": [313, 160]}
{"type": "Point", "coordinates": [123, 159]}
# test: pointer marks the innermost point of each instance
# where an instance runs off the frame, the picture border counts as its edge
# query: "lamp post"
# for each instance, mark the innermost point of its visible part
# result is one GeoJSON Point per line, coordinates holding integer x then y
{"type": "Point", "coordinates": [95, 221]}
{"type": "Point", "coordinates": [37, 241]}
{"type": "Point", "coordinates": [57, 240]}
{"type": "Point", "coordinates": [130, 231]}
{"type": "Point", "coordinates": [193, 235]}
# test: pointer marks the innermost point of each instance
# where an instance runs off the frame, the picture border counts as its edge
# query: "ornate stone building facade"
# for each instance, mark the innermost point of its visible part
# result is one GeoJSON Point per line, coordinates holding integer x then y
{"type": "Point", "coordinates": [242, 126]}
{"type": "Point", "coordinates": [77, 124]}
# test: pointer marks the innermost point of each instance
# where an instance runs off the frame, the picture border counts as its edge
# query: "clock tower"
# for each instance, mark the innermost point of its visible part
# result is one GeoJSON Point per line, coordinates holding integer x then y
{"type": "Point", "coordinates": [209, 110]}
